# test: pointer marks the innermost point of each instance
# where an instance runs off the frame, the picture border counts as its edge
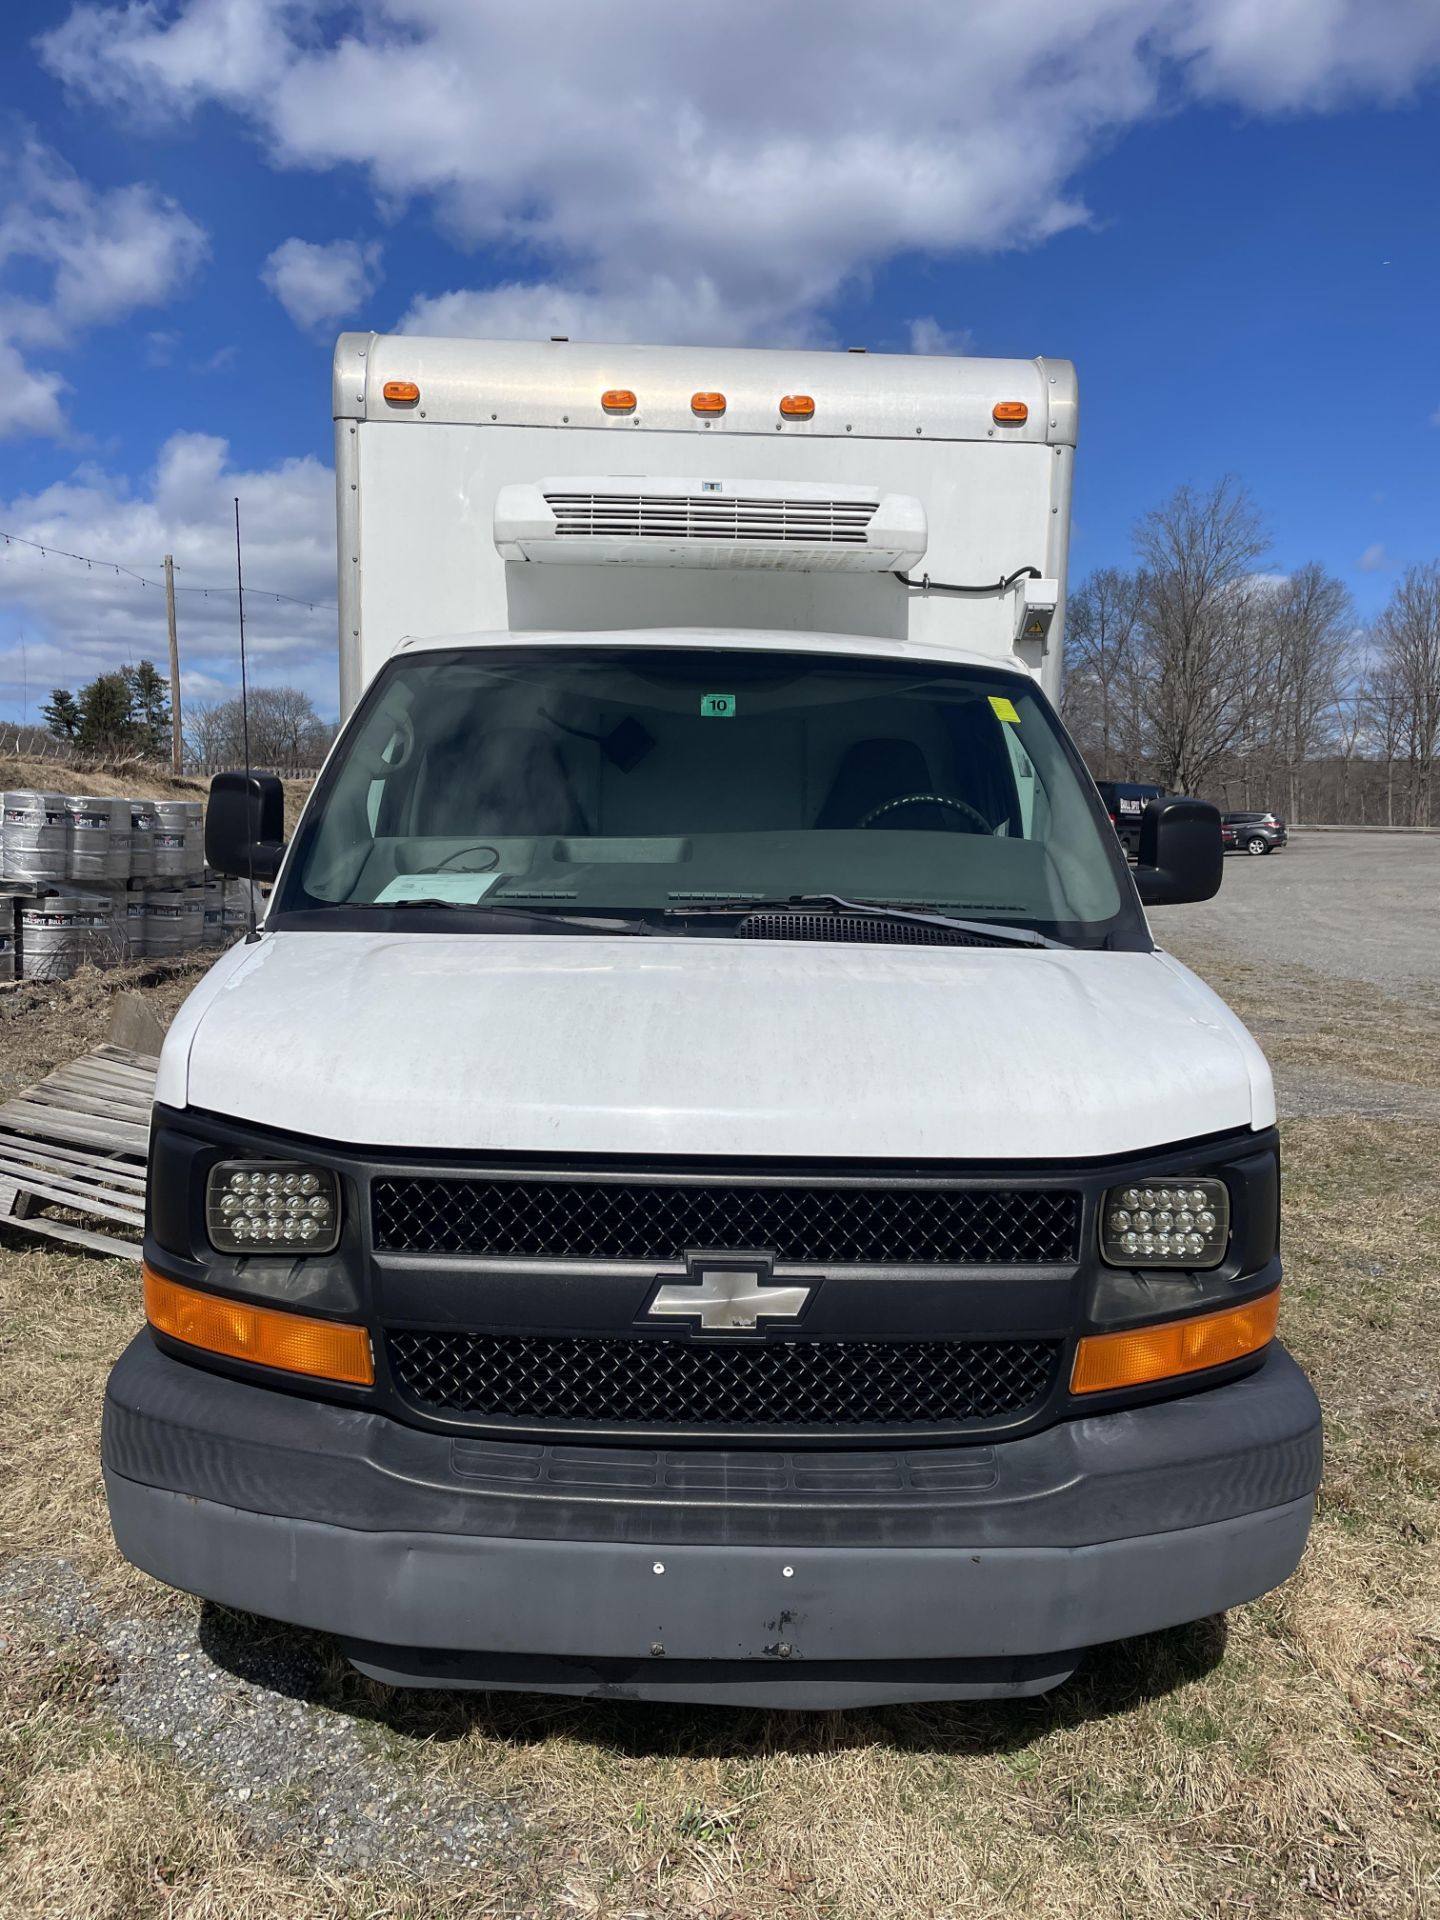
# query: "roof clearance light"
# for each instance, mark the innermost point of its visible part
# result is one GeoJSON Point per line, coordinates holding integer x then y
{"type": "Point", "coordinates": [401, 392]}
{"type": "Point", "coordinates": [798, 406]}
{"type": "Point", "coordinates": [1010, 413]}
{"type": "Point", "coordinates": [707, 403]}
{"type": "Point", "coordinates": [618, 400]}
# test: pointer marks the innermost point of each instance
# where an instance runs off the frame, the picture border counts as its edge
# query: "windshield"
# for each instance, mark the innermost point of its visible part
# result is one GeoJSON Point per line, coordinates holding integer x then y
{"type": "Point", "coordinates": [648, 779]}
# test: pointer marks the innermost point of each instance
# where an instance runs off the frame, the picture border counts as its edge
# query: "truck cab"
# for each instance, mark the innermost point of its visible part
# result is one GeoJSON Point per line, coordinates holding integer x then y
{"type": "Point", "coordinates": [705, 1185]}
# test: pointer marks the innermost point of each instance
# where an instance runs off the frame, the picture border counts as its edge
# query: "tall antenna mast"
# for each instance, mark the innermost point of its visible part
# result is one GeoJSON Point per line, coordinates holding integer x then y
{"type": "Point", "coordinates": [251, 935]}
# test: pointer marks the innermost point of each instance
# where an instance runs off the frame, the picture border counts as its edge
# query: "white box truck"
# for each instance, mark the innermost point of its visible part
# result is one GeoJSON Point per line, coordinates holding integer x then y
{"type": "Point", "coordinates": [705, 1186]}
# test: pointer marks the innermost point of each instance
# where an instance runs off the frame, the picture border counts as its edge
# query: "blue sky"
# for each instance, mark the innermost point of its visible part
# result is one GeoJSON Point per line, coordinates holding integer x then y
{"type": "Point", "coordinates": [1224, 214]}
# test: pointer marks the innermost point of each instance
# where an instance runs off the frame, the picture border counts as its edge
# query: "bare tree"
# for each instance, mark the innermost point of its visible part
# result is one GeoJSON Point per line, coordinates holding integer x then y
{"type": "Point", "coordinates": [207, 732]}
{"type": "Point", "coordinates": [1382, 700]}
{"type": "Point", "coordinates": [1102, 697]}
{"type": "Point", "coordinates": [1346, 731]}
{"type": "Point", "coordinates": [287, 735]}
{"type": "Point", "coordinates": [1311, 624]}
{"type": "Point", "coordinates": [1408, 632]}
{"type": "Point", "coordinates": [1199, 550]}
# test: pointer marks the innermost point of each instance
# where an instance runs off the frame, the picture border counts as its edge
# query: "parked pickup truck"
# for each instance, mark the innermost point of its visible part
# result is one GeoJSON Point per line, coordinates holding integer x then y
{"type": "Point", "coordinates": [705, 1185]}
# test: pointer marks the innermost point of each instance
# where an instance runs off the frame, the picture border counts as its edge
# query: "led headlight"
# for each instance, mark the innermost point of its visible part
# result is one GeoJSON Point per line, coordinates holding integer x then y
{"type": "Point", "coordinates": [1166, 1223]}
{"type": "Point", "coordinates": [271, 1206]}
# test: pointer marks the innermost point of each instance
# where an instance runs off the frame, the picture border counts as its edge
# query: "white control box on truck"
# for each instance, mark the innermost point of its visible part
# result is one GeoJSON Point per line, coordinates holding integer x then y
{"type": "Point", "coordinates": [705, 1186]}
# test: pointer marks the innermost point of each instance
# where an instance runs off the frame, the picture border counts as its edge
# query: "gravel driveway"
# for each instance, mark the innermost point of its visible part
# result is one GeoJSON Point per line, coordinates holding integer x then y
{"type": "Point", "coordinates": [1357, 906]}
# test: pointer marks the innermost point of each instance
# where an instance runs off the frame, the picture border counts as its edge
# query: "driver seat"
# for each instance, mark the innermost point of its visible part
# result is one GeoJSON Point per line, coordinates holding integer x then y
{"type": "Point", "coordinates": [874, 771]}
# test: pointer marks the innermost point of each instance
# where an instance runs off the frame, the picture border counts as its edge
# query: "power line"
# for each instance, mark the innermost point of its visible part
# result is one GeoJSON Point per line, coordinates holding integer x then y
{"type": "Point", "coordinates": [113, 566]}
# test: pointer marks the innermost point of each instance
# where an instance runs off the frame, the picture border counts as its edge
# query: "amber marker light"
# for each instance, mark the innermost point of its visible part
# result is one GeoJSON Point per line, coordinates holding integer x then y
{"type": "Point", "coordinates": [798, 406]}
{"type": "Point", "coordinates": [707, 403]}
{"type": "Point", "coordinates": [1010, 413]}
{"type": "Point", "coordinates": [401, 392]}
{"type": "Point", "coordinates": [324, 1349]}
{"type": "Point", "coordinates": [618, 400]}
{"type": "Point", "coordinates": [1140, 1355]}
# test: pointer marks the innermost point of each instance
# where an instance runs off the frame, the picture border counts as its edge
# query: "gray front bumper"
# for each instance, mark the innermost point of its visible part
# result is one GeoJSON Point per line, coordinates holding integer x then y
{"type": "Point", "coordinates": [981, 1578]}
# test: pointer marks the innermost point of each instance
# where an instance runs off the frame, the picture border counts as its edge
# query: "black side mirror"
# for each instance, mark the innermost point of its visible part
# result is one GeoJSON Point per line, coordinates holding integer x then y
{"type": "Point", "coordinates": [245, 825]}
{"type": "Point", "coordinates": [1181, 856]}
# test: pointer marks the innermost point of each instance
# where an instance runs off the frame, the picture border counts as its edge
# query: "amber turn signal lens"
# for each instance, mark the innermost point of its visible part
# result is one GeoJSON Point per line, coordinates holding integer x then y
{"type": "Point", "coordinates": [1010, 413]}
{"type": "Point", "coordinates": [707, 402]}
{"type": "Point", "coordinates": [1142, 1354]}
{"type": "Point", "coordinates": [618, 400]}
{"type": "Point", "coordinates": [798, 406]}
{"type": "Point", "coordinates": [401, 390]}
{"type": "Point", "coordinates": [240, 1331]}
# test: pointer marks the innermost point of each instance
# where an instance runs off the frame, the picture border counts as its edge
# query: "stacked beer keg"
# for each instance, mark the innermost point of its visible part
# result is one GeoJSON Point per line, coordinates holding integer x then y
{"type": "Point", "coordinates": [113, 880]}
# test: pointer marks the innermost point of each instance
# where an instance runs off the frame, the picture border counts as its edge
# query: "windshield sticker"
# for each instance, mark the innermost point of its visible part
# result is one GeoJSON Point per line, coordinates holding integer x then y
{"type": "Point", "coordinates": [464, 888]}
{"type": "Point", "coordinates": [1004, 709]}
{"type": "Point", "coordinates": [717, 706]}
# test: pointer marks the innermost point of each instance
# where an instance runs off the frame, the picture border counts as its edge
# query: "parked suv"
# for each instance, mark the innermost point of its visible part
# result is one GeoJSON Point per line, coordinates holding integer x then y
{"type": "Point", "coordinates": [1254, 832]}
{"type": "Point", "coordinates": [1125, 802]}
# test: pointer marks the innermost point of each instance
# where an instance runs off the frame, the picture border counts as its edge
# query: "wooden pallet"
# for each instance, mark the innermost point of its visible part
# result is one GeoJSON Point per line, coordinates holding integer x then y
{"type": "Point", "coordinates": [77, 1142]}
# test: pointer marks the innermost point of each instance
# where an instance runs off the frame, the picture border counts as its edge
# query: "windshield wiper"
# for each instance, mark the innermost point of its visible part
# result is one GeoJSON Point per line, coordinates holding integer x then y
{"type": "Point", "coordinates": [540, 916]}
{"type": "Point", "coordinates": [868, 910]}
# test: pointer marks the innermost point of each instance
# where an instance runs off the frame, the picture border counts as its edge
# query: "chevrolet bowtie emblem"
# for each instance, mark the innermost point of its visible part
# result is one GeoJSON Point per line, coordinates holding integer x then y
{"type": "Point", "coordinates": [728, 1293]}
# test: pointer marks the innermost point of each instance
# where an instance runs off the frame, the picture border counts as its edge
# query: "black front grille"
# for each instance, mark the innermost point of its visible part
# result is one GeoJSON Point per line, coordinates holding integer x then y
{"type": "Point", "coordinates": [566, 1219]}
{"type": "Point", "coordinates": [675, 1382]}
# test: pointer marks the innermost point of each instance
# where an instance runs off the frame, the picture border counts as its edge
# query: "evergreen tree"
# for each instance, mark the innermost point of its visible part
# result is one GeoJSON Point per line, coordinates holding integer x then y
{"type": "Point", "coordinates": [108, 726]}
{"type": "Point", "coordinates": [62, 713]}
{"type": "Point", "coordinates": [149, 708]}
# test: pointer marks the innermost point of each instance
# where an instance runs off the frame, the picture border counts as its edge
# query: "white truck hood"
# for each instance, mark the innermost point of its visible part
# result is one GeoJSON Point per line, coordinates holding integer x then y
{"type": "Point", "coordinates": [684, 1045]}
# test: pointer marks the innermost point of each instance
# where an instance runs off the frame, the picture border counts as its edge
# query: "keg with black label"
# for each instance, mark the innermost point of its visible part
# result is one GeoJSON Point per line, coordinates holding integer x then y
{"type": "Point", "coordinates": [60, 932]}
{"type": "Point", "coordinates": [33, 831]}
{"type": "Point", "coordinates": [142, 839]}
{"type": "Point", "coordinates": [98, 837]}
{"type": "Point", "coordinates": [174, 826]}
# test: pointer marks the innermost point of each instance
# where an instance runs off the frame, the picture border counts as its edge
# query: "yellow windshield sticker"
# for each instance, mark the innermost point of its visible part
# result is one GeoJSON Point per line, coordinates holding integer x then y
{"type": "Point", "coordinates": [1004, 709]}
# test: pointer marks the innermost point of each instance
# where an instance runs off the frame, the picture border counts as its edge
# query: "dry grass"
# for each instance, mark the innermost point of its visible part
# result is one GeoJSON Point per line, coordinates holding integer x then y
{"type": "Point", "coordinates": [148, 778]}
{"type": "Point", "coordinates": [43, 1023]}
{"type": "Point", "coordinates": [1304, 1018]}
{"type": "Point", "coordinates": [47, 776]}
{"type": "Point", "coordinates": [1285, 1764]}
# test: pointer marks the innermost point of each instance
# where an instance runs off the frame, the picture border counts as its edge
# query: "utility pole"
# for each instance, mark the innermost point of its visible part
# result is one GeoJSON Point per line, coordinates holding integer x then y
{"type": "Point", "coordinates": [175, 753]}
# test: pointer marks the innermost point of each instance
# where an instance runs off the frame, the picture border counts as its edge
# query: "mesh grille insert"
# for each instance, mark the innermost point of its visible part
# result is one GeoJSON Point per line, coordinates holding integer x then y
{"type": "Point", "coordinates": [667, 1381]}
{"type": "Point", "coordinates": [573, 1219]}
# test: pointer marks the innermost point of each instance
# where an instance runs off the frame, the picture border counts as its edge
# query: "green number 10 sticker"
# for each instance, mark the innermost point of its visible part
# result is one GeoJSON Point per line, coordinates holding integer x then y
{"type": "Point", "coordinates": [717, 706]}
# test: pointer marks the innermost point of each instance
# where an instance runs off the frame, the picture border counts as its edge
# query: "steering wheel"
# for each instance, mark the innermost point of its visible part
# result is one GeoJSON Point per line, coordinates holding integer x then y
{"type": "Point", "coordinates": [982, 825]}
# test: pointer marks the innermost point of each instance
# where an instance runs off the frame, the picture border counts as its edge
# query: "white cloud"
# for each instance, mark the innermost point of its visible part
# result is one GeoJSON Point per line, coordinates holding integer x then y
{"type": "Point", "coordinates": [320, 286]}
{"type": "Point", "coordinates": [654, 308]}
{"type": "Point", "coordinates": [108, 251]}
{"type": "Point", "coordinates": [101, 254]}
{"type": "Point", "coordinates": [1435, 418]}
{"type": "Point", "coordinates": [29, 400]}
{"type": "Point", "coordinates": [928, 336]}
{"type": "Point", "coordinates": [1373, 559]}
{"type": "Point", "coordinates": [1288, 54]}
{"type": "Point", "coordinates": [721, 173]}
{"type": "Point", "coordinates": [79, 620]}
